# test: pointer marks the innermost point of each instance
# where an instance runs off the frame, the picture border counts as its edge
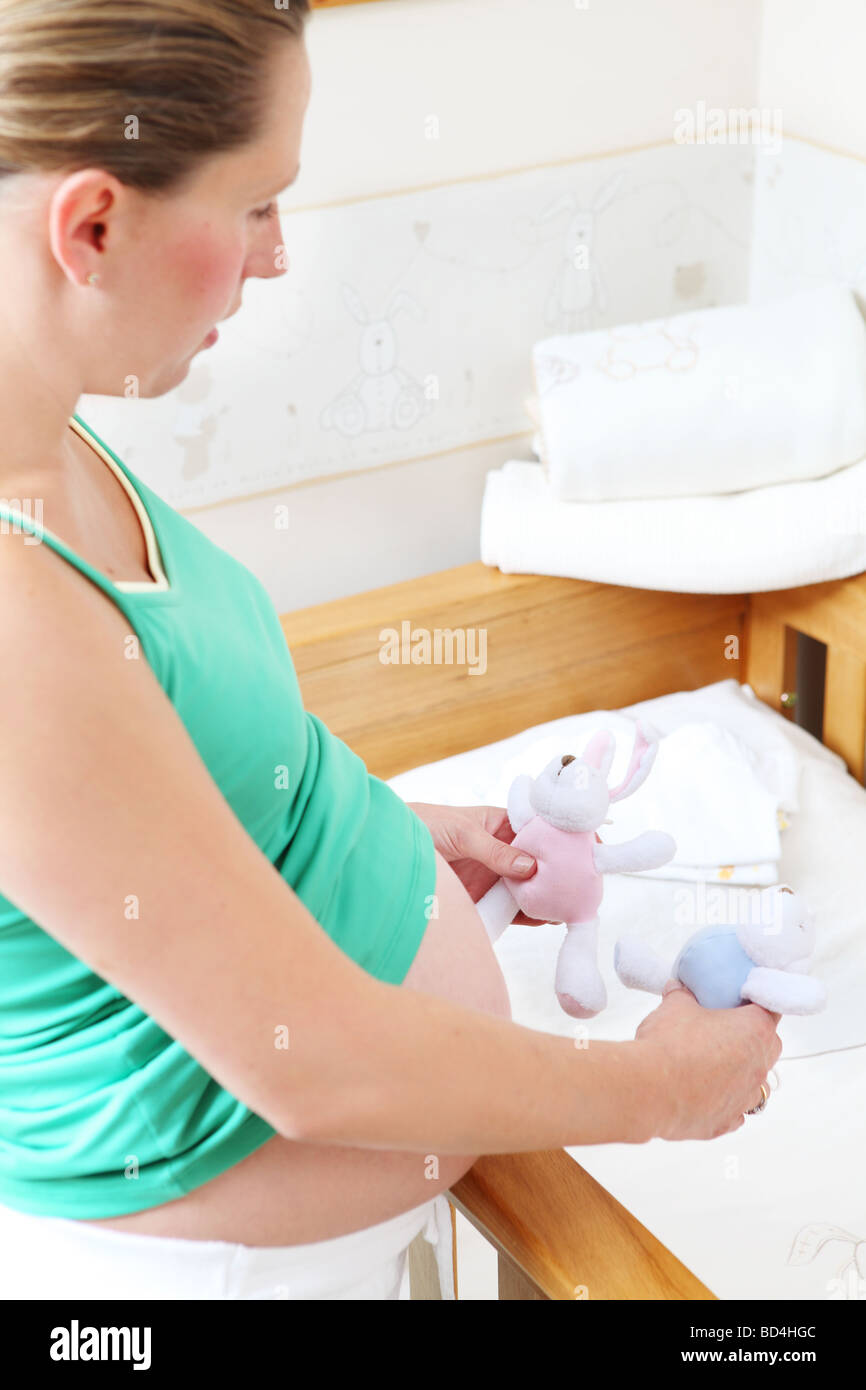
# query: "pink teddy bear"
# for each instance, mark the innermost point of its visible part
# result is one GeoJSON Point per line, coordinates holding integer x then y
{"type": "Point", "coordinates": [555, 817]}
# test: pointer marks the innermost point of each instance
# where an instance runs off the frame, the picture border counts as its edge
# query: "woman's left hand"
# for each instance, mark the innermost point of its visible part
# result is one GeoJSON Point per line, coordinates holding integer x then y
{"type": "Point", "coordinates": [475, 841]}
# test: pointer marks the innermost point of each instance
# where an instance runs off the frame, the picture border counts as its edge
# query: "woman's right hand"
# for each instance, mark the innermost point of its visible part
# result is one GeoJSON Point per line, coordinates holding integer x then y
{"type": "Point", "coordinates": [707, 1064]}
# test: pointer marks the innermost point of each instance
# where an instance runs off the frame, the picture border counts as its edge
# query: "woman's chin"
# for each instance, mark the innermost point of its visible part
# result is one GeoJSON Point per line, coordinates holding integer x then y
{"type": "Point", "coordinates": [158, 382]}
{"type": "Point", "coordinates": [167, 378]}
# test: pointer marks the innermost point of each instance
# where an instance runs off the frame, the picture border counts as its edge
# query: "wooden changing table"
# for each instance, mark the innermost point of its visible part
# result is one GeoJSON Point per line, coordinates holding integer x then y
{"type": "Point", "coordinates": [556, 647]}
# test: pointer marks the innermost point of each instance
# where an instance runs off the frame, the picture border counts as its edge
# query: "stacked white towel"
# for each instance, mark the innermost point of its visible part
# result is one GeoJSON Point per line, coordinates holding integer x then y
{"type": "Point", "coordinates": [714, 401]}
{"type": "Point", "coordinates": [716, 452]}
{"type": "Point", "coordinates": [745, 542]}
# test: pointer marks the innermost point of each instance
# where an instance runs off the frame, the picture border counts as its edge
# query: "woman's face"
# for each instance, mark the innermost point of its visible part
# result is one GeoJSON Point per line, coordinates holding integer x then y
{"type": "Point", "coordinates": [172, 267]}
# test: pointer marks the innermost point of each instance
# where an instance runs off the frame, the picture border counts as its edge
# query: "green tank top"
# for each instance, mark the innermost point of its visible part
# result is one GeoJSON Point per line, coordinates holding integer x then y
{"type": "Point", "coordinates": [101, 1111]}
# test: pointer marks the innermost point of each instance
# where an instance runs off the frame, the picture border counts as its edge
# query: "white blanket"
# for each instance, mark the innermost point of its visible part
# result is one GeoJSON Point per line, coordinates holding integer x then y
{"type": "Point", "coordinates": [708, 792]}
{"type": "Point", "coordinates": [766, 538]}
{"type": "Point", "coordinates": [712, 401]}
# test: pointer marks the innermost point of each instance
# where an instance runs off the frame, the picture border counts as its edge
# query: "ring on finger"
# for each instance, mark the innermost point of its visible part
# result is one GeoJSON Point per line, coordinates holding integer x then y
{"type": "Point", "coordinates": [765, 1096]}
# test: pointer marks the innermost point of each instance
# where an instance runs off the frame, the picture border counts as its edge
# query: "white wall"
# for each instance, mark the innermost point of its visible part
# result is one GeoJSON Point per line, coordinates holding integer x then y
{"type": "Point", "coordinates": [530, 100]}
{"type": "Point", "coordinates": [515, 83]}
{"type": "Point", "coordinates": [812, 59]}
{"type": "Point", "coordinates": [810, 200]}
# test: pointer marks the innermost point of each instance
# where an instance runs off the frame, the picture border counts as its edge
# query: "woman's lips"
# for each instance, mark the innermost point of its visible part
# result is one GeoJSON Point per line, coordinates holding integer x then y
{"type": "Point", "coordinates": [211, 337]}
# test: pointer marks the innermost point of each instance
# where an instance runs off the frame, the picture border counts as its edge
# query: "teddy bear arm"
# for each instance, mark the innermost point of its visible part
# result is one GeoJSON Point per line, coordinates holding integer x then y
{"type": "Point", "coordinates": [784, 993]}
{"type": "Point", "coordinates": [638, 966]}
{"type": "Point", "coordinates": [647, 851]}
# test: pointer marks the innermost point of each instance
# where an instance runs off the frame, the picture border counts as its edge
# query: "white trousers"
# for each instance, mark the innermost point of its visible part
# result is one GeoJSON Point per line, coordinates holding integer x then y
{"type": "Point", "coordinates": [54, 1258]}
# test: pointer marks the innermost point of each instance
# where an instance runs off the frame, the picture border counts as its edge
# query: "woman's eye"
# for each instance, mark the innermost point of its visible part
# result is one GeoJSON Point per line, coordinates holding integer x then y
{"type": "Point", "coordinates": [266, 211]}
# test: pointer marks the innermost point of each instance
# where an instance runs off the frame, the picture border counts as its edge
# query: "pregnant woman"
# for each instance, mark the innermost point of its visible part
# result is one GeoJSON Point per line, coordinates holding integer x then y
{"type": "Point", "coordinates": [251, 1025]}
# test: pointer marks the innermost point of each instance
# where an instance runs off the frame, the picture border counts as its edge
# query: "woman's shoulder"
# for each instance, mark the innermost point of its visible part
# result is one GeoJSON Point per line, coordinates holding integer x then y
{"type": "Point", "coordinates": [48, 617]}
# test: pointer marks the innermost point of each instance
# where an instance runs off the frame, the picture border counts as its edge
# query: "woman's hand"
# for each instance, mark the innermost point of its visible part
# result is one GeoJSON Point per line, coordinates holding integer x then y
{"type": "Point", "coordinates": [475, 842]}
{"type": "Point", "coordinates": [705, 1066]}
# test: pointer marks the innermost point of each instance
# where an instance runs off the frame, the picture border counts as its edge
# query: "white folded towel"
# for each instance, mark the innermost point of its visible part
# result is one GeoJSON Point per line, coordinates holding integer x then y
{"type": "Point", "coordinates": [713, 401]}
{"type": "Point", "coordinates": [745, 542]}
{"type": "Point", "coordinates": [713, 796]}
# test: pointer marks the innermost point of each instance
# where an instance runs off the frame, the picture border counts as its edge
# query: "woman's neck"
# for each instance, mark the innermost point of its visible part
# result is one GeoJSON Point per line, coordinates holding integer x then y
{"type": "Point", "coordinates": [40, 382]}
{"type": "Point", "coordinates": [35, 407]}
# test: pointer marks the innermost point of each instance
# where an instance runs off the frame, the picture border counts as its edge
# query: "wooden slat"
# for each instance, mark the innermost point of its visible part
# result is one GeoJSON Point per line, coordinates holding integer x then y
{"type": "Point", "coordinates": [454, 1270]}
{"type": "Point", "coordinates": [553, 647]}
{"type": "Point", "coordinates": [566, 1234]}
{"type": "Point", "coordinates": [771, 657]}
{"type": "Point", "coordinates": [845, 708]}
{"type": "Point", "coordinates": [424, 1280]}
{"type": "Point", "coordinates": [835, 614]}
{"type": "Point", "coordinates": [423, 1271]}
{"type": "Point", "coordinates": [514, 1285]}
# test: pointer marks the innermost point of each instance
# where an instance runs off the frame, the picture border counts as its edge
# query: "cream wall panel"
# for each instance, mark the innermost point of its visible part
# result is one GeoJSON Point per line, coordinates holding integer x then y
{"type": "Point", "coordinates": [513, 83]}
{"type": "Point", "coordinates": [404, 327]}
{"type": "Point", "coordinates": [810, 221]}
{"type": "Point", "coordinates": [812, 67]}
{"type": "Point", "coordinates": [344, 535]}
{"type": "Point", "coordinates": [810, 224]}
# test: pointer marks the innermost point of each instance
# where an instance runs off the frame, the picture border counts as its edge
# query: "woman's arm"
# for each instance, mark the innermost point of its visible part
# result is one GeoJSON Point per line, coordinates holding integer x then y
{"type": "Point", "coordinates": [105, 800]}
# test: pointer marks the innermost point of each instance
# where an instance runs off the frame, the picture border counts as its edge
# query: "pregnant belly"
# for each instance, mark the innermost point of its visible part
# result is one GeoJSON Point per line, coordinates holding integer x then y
{"type": "Point", "coordinates": [291, 1194]}
{"type": "Point", "coordinates": [286, 1193]}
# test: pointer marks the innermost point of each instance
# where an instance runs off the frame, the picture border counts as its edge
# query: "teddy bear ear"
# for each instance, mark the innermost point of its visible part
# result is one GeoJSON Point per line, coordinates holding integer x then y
{"type": "Point", "coordinates": [599, 751]}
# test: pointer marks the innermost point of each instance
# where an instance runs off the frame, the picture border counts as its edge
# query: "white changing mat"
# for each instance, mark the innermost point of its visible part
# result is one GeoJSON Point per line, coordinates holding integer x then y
{"type": "Point", "coordinates": [774, 1210]}
{"type": "Point", "coordinates": [733, 1208]}
{"type": "Point", "coordinates": [744, 542]}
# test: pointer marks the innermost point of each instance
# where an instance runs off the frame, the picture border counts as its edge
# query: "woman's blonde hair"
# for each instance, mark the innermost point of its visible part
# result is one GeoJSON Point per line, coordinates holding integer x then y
{"type": "Point", "coordinates": [144, 89]}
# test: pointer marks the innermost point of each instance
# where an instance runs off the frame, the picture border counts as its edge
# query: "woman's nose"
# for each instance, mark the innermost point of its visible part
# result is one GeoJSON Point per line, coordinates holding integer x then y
{"type": "Point", "coordinates": [270, 256]}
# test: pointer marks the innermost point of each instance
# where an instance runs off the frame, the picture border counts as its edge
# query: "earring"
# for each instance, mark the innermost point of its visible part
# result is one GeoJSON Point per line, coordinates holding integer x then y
{"type": "Point", "coordinates": [92, 278]}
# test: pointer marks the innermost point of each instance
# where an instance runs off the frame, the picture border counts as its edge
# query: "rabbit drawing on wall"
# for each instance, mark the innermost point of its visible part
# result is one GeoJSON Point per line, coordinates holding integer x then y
{"type": "Point", "coordinates": [382, 396]}
{"type": "Point", "coordinates": [578, 289]}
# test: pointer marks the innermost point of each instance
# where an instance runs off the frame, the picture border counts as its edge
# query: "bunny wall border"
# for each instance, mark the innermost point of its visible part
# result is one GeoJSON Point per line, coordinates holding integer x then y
{"type": "Point", "coordinates": [466, 277]}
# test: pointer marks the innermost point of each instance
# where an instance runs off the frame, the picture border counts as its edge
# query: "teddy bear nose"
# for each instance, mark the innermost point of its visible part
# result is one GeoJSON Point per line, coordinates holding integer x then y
{"type": "Point", "coordinates": [567, 758]}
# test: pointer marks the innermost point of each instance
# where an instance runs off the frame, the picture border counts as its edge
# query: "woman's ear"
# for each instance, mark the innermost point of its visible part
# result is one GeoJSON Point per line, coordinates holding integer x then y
{"type": "Point", "coordinates": [81, 210]}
